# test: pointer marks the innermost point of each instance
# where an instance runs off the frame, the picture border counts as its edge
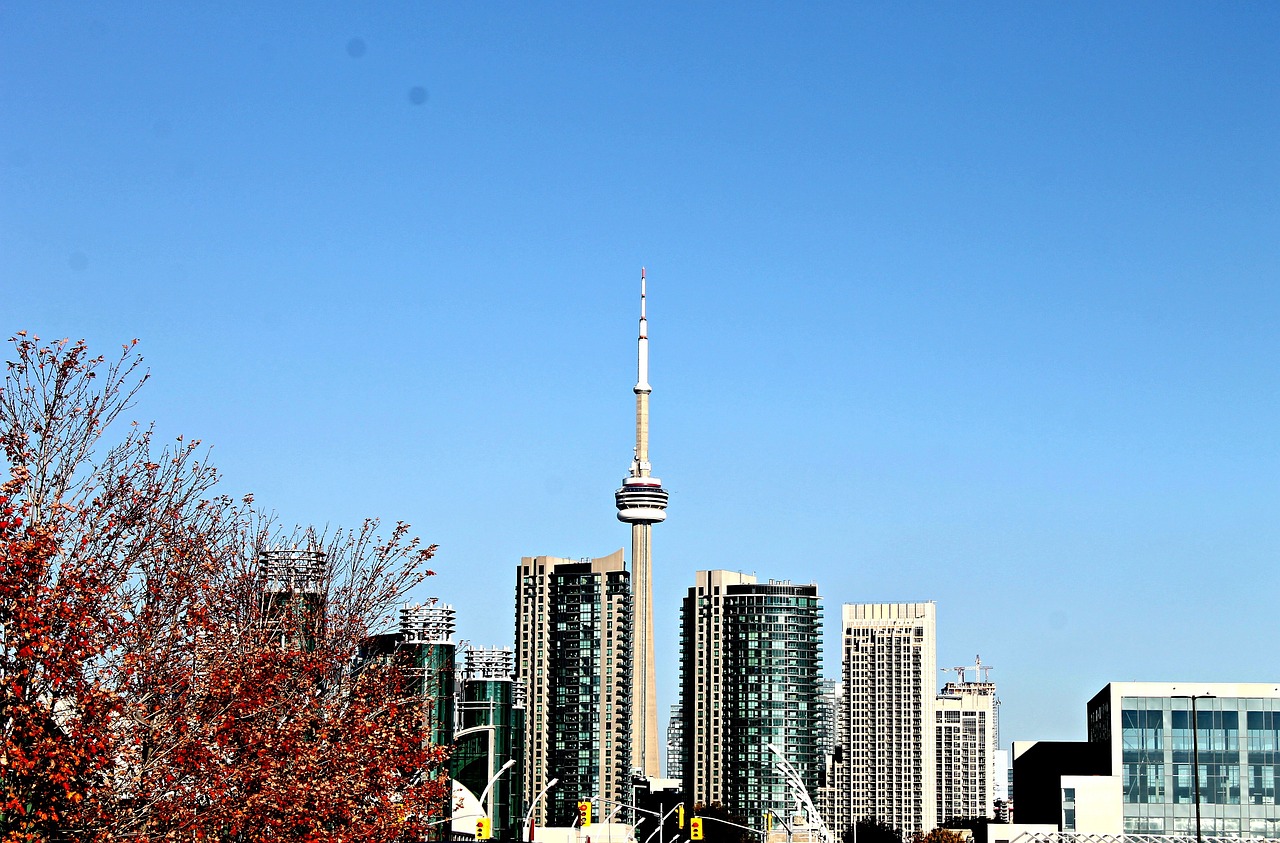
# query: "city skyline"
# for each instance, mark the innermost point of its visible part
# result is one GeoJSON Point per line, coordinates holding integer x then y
{"type": "Point", "coordinates": [975, 306]}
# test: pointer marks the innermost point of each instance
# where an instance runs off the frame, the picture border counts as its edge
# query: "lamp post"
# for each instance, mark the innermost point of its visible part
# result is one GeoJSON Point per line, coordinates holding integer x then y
{"type": "Point", "coordinates": [529, 814]}
{"type": "Point", "coordinates": [633, 808]}
{"type": "Point", "coordinates": [511, 762]}
{"type": "Point", "coordinates": [1195, 752]}
{"type": "Point", "coordinates": [792, 777]}
{"type": "Point", "coordinates": [662, 823]}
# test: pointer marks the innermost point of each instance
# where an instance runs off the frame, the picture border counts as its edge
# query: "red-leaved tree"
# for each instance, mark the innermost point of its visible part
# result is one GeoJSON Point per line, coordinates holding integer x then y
{"type": "Point", "coordinates": [157, 681]}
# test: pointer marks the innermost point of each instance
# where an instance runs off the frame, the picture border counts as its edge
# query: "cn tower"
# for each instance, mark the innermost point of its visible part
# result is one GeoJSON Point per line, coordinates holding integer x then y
{"type": "Point", "coordinates": [642, 502]}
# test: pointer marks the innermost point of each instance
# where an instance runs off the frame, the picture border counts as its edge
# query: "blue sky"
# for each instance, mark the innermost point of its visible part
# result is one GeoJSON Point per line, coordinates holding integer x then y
{"type": "Point", "coordinates": [974, 303]}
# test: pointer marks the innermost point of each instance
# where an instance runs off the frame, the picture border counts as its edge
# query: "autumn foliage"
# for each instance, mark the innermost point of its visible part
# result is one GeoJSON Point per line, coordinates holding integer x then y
{"type": "Point", "coordinates": [148, 691]}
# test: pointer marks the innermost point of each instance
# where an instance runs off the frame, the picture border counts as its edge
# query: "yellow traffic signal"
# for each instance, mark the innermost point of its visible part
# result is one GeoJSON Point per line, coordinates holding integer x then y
{"type": "Point", "coordinates": [680, 816]}
{"type": "Point", "coordinates": [695, 828]}
{"type": "Point", "coordinates": [584, 813]}
{"type": "Point", "coordinates": [484, 828]}
{"type": "Point", "coordinates": [768, 821]}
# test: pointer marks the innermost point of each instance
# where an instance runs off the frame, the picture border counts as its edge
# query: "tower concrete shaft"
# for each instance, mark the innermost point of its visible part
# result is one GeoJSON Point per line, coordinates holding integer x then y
{"type": "Point", "coordinates": [642, 502]}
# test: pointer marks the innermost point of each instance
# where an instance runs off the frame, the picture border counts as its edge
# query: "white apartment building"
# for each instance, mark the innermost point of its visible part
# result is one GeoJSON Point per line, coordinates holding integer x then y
{"type": "Point", "coordinates": [890, 664]}
{"type": "Point", "coordinates": [965, 748]}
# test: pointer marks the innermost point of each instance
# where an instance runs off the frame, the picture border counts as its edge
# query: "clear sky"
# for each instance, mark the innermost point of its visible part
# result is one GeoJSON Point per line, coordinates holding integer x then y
{"type": "Point", "coordinates": [974, 303]}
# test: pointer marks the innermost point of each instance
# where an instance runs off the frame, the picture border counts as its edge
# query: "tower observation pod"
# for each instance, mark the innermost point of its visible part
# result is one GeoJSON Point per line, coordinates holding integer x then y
{"type": "Point", "coordinates": [642, 502]}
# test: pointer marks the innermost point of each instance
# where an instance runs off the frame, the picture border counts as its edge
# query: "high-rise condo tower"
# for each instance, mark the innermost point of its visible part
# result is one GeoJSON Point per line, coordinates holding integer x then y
{"type": "Point", "coordinates": [642, 502]}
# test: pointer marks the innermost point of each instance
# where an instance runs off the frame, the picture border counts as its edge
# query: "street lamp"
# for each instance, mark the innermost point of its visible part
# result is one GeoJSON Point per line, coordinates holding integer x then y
{"type": "Point", "coordinates": [662, 823]}
{"type": "Point", "coordinates": [529, 814]}
{"type": "Point", "coordinates": [511, 762]}
{"type": "Point", "coordinates": [792, 777]}
{"type": "Point", "coordinates": [1195, 751]}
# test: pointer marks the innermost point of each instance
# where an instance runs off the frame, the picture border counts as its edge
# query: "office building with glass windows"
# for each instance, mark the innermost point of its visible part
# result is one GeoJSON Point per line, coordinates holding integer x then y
{"type": "Point", "coordinates": [1231, 732]}
{"type": "Point", "coordinates": [749, 661]}
{"type": "Point", "coordinates": [573, 657]}
{"type": "Point", "coordinates": [1152, 747]}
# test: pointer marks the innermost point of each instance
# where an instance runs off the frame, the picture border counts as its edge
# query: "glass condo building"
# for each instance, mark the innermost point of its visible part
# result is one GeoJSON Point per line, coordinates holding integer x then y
{"type": "Point", "coordinates": [750, 656]}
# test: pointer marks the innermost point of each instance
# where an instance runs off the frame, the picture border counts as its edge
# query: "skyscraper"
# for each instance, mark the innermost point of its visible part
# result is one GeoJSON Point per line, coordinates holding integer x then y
{"type": "Point", "coordinates": [642, 502]}
{"type": "Point", "coordinates": [423, 647]}
{"type": "Point", "coordinates": [491, 734]}
{"type": "Point", "coordinates": [426, 638]}
{"type": "Point", "coordinates": [749, 681]}
{"type": "Point", "coordinates": [966, 730]}
{"type": "Point", "coordinates": [889, 695]}
{"type": "Point", "coordinates": [573, 655]}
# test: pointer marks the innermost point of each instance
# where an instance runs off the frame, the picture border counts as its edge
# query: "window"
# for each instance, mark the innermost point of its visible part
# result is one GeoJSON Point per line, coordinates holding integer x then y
{"type": "Point", "coordinates": [1143, 783]}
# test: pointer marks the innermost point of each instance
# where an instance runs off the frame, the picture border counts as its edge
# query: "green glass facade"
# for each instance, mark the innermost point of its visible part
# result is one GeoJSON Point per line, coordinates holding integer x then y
{"type": "Point", "coordinates": [491, 732]}
{"type": "Point", "coordinates": [750, 660]}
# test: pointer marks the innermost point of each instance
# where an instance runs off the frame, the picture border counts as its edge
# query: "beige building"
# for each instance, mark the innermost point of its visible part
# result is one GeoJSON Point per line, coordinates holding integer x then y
{"type": "Point", "coordinates": [965, 733]}
{"type": "Point", "coordinates": [889, 664]}
{"type": "Point", "coordinates": [573, 654]}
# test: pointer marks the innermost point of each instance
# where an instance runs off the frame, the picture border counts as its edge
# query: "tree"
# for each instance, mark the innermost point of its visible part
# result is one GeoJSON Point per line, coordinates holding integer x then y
{"type": "Point", "coordinates": [938, 835]}
{"type": "Point", "coordinates": [871, 830]}
{"type": "Point", "coordinates": [150, 690]}
{"type": "Point", "coordinates": [716, 826]}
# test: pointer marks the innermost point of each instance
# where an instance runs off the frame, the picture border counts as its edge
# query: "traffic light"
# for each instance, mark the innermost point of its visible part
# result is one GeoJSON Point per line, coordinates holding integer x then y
{"type": "Point", "coordinates": [695, 828]}
{"type": "Point", "coordinates": [484, 828]}
{"type": "Point", "coordinates": [768, 821]}
{"type": "Point", "coordinates": [680, 816]}
{"type": "Point", "coordinates": [584, 813]}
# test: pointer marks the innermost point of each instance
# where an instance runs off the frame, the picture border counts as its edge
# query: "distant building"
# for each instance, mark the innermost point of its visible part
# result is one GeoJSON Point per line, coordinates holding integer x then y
{"type": "Point", "coordinates": [965, 748]}
{"type": "Point", "coordinates": [573, 656]}
{"type": "Point", "coordinates": [888, 737]}
{"type": "Point", "coordinates": [749, 662]}
{"type": "Point", "coordinates": [833, 789]}
{"type": "Point", "coordinates": [825, 716]}
{"type": "Point", "coordinates": [1151, 746]}
{"type": "Point", "coordinates": [675, 740]}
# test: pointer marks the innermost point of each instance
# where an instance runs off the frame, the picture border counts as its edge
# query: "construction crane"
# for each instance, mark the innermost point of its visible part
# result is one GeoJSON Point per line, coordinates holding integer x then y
{"type": "Point", "coordinates": [981, 672]}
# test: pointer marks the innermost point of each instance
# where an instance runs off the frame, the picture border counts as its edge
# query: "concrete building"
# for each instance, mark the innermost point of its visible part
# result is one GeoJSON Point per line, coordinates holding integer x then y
{"type": "Point", "coordinates": [573, 657]}
{"type": "Point", "coordinates": [1161, 758]}
{"type": "Point", "coordinates": [966, 726]}
{"type": "Point", "coordinates": [889, 661]}
{"type": "Point", "coordinates": [749, 660]}
{"type": "Point", "coordinates": [642, 502]}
